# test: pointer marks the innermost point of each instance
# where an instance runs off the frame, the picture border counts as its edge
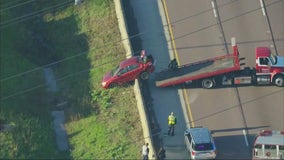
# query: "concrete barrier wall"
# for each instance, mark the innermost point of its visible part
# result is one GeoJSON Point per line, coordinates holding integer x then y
{"type": "Point", "coordinates": [123, 28]}
{"type": "Point", "coordinates": [144, 120]}
{"type": "Point", "coordinates": [138, 95]}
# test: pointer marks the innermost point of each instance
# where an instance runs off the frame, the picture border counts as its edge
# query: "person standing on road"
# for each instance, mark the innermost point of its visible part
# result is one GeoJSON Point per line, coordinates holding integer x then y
{"type": "Point", "coordinates": [145, 151]}
{"type": "Point", "coordinates": [172, 122]}
{"type": "Point", "coordinates": [173, 65]}
{"type": "Point", "coordinates": [143, 57]}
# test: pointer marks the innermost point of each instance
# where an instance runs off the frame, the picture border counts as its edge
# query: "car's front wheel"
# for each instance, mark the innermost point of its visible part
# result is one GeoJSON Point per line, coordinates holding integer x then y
{"type": "Point", "coordinates": [113, 85]}
{"type": "Point", "coordinates": [144, 75]}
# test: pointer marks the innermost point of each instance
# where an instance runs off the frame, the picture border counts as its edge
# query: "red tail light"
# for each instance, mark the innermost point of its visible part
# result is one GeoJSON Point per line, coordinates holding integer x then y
{"type": "Point", "coordinates": [192, 153]}
{"type": "Point", "coordinates": [266, 132]}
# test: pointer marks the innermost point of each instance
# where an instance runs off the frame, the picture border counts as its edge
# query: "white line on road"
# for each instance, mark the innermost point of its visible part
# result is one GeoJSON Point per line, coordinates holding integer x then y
{"type": "Point", "coordinates": [245, 135]}
{"type": "Point", "coordinates": [262, 7]}
{"type": "Point", "coordinates": [214, 9]}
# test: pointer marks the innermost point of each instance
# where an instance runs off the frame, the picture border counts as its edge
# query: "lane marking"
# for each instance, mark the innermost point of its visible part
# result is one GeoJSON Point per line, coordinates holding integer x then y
{"type": "Point", "coordinates": [214, 9]}
{"type": "Point", "coordinates": [245, 135]}
{"type": "Point", "coordinates": [262, 7]}
{"type": "Point", "coordinates": [188, 108]}
{"type": "Point", "coordinates": [171, 31]}
{"type": "Point", "coordinates": [185, 95]}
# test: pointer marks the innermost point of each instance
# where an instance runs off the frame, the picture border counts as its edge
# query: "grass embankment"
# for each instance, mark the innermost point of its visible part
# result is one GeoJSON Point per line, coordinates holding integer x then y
{"type": "Point", "coordinates": [100, 123]}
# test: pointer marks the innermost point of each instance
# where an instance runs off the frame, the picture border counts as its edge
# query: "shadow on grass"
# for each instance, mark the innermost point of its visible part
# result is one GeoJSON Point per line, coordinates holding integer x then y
{"type": "Point", "coordinates": [46, 43]}
{"type": "Point", "coordinates": [42, 43]}
{"type": "Point", "coordinates": [74, 134]}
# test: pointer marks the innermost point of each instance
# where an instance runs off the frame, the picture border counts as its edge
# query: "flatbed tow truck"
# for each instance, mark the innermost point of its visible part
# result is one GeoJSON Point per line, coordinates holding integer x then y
{"type": "Point", "coordinates": [226, 70]}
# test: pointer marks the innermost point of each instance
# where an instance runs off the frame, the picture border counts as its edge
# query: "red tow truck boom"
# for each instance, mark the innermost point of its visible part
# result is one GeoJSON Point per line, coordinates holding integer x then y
{"type": "Point", "coordinates": [226, 70]}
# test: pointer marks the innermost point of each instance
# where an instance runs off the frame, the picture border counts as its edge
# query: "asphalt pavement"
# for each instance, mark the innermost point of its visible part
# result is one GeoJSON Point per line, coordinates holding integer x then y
{"type": "Point", "coordinates": [146, 19]}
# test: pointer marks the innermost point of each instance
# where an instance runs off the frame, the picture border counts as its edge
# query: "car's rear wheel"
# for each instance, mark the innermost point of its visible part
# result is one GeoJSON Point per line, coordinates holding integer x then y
{"type": "Point", "coordinates": [113, 85]}
{"type": "Point", "coordinates": [144, 75]}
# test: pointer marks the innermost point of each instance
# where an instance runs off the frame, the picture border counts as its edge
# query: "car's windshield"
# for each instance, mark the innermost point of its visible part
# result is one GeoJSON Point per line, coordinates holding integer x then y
{"type": "Point", "coordinates": [114, 71]}
{"type": "Point", "coordinates": [203, 147]}
{"type": "Point", "coordinates": [273, 59]}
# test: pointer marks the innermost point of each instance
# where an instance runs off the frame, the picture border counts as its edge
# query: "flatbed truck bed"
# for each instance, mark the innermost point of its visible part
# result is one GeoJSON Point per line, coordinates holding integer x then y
{"type": "Point", "coordinates": [198, 70]}
{"type": "Point", "coordinates": [226, 70]}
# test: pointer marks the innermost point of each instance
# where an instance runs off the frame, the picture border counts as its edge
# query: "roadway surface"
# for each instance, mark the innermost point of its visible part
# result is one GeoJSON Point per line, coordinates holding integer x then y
{"type": "Point", "coordinates": [234, 114]}
{"type": "Point", "coordinates": [146, 31]}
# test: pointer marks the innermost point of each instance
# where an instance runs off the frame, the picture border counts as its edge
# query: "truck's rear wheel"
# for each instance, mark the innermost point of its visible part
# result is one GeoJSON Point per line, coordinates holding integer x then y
{"type": "Point", "coordinates": [279, 80]}
{"type": "Point", "coordinates": [208, 83]}
{"type": "Point", "coordinates": [144, 75]}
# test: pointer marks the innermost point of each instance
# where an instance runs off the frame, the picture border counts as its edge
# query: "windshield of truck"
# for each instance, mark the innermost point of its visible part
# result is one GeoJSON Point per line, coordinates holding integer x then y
{"type": "Point", "coordinates": [273, 59]}
{"type": "Point", "coordinates": [258, 146]}
{"type": "Point", "coordinates": [272, 147]}
{"type": "Point", "coordinates": [203, 147]}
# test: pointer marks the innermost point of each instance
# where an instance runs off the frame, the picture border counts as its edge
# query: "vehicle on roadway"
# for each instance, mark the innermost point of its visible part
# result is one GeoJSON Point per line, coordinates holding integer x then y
{"type": "Point", "coordinates": [268, 144]}
{"type": "Point", "coordinates": [129, 70]}
{"type": "Point", "coordinates": [200, 143]}
{"type": "Point", "coordinates": [226, 70]}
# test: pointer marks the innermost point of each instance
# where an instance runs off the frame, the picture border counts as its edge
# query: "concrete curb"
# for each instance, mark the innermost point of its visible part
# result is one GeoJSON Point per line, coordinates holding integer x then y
{"type": "Point", "coordinates": [139, 98]}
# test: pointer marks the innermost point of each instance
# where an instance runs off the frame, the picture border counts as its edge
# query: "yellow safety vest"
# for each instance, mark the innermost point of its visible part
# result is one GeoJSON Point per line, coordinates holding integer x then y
{"type": "Point", "coordinates": [172, 120]}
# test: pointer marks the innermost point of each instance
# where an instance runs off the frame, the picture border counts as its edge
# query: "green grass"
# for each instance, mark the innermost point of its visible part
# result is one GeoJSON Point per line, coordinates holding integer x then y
{"type": "Point", "coordinates": [100, 123]}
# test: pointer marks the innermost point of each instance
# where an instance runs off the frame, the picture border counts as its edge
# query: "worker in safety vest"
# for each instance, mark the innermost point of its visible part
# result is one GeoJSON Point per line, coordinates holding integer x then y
{"type": "Point", "coordinates": [171, 122]}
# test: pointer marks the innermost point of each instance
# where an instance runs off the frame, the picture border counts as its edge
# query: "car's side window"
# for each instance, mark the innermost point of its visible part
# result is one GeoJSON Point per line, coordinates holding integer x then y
{"type": "Point", "coordinates": [122, 71]}
{"type": "Point", "coordinates": [132, 67]}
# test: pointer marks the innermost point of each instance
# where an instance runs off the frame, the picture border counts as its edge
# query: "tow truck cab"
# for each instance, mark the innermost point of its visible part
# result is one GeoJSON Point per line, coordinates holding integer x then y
{"type": "Point", "coordinates": [268, 145]}
{"type": "Point", "coordinates": [269, 67]}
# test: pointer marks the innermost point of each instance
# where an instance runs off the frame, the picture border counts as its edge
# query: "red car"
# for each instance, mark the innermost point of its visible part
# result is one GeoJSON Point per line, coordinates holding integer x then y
{"type": "Point", "coordinates": [129, 69]}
